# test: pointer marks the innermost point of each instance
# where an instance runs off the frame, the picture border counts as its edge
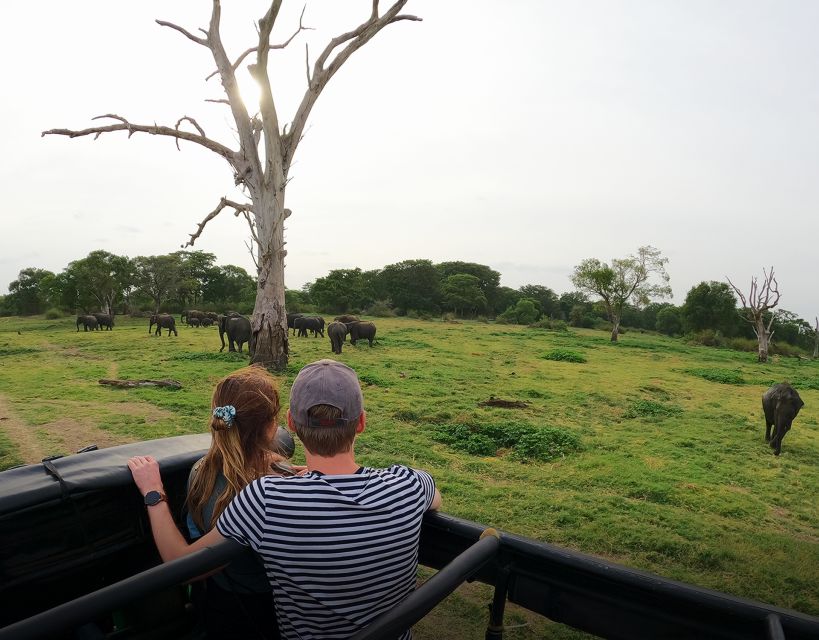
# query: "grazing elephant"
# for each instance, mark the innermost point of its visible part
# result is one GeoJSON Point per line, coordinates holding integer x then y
{"type": "Point", "coordinates": [194, 322]}
{"type": "Point", "coordinates": [89, 322]}
{"type": "Point", "coordinates": [337, 331]}
{"type": "Point", "coordinates": [781, 403]}
{"type": "Point", "coordinates": [361, 330]}
{"type": "Point", "coordinates": [238, 332]}
{"type": "Point", "coordinates": [189, 314]}
{"type": "Point", "coordinates": [347, 319]}
{"type": "Point", "coordinates": [208, 321]}
{"type": "Point", "coordinates": [162, 321]}
{"type": "Point", "coordinates": [309, 323]}
{"type": "Point", "coordinates": [291, 321]}
{"type": "Point", "coordinates": [212, 315]}
{"type": "Point", "coordinates": [104, 320]}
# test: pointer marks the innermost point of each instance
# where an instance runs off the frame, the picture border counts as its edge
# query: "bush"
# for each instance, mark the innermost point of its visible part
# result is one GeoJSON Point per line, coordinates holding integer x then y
{"type": "Point", "coordinates": [379, 309]}
{"type": "Point", "coordinates": [651, 409]}
{"type": "Point", "coordinates": [546, 443]}
{"type": "Point", "coordinates": [723, 376]}
{"type": "Point", "coordinates": [743, 344]}
{"type": "Point", "coordinates": [53, 314]}
{"type": "Point", "coordinates": [550, 324]}
{"type": "Point", "coordinates": [707, 338]}
{"type": "Point", "coordinates": [564, 355]}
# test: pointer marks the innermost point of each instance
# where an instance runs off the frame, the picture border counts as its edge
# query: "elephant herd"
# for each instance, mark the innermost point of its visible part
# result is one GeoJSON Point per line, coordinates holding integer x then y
{"type": "Point", "coordinates": [95, 321]}
{"type": "Point", "coordinates": [337, 331]}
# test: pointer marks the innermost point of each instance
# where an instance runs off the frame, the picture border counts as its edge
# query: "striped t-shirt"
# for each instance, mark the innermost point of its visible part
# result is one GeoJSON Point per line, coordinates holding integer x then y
{"type": "Point", "coordinates": [339, 550]}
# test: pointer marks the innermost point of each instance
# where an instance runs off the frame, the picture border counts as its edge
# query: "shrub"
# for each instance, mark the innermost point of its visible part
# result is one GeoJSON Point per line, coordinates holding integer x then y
{"type": "Point", "coordinates": [379, 309]}
{"type": "Point", "coordinates": [546, 443]}
{"type": "Point", "coordinates": [651, 409]}
{"type": "Point", "coordinates": [550, 324]}
{"type": "Point", "coordinates": [743, 344]}
{"type": "Point", "coordinates": [564, 355]}
{"type": "Point", "coordinates": [723, 376]}
{"type": "Point", "coordinates": [53, 314]}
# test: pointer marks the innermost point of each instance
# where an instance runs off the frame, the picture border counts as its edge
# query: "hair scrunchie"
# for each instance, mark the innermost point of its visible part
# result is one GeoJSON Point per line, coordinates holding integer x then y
{"type": "Point", "coordinates": [226, 414]}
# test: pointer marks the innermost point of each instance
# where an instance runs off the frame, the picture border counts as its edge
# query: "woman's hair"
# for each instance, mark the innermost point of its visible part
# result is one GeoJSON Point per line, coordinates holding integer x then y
{"type": "Point", "coordinates": [241, 445]}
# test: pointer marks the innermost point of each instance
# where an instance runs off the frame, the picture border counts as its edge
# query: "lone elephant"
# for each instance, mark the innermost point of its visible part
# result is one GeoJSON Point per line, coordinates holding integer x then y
{"type": "Point", "coordinates": [104, 320]}
{"type": "Point", "coordinates": [361, 331]}
{"type": "Point", "coordinates": [781, 403]}
{"type": "Point", "coordinates": [238, 332]}
{"type": "Point", "coordinates": [162, 321]}
{"type": "Point", "coordinates": [89, 322]}
{"type": "Point", "coordinates": [337, 331]}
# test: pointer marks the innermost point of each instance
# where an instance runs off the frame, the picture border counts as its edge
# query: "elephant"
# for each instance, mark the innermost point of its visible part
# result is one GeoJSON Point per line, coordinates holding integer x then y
{"type": "Point", "coordinates": [309, 323]}
{"type": "Point", "coordinates": [291, 320]}
{"type": "Point", "coordinates": [238, 331]}
{"type": "Point", "coordinates": [361, 330]}
{"type": "Point", "coordinates": [212, 315]}
{"type": "Point", "coordinates": [208, 321]}
{"type": "Point", "coordinates": [89, 322]}
{"type": "Point", "coordinates": [104, 320]}
{"type": "Point", "coordinates": [337, 331]}
{"type": "Point", "coordinates": [347, 319]}
{"type": "Point", "coordinates": [781, 404]}
{"type": "Point", "coordinates": [162, 321]}
{"type": "Point", "coordinates": [187, 314]}
{"type": "Point", "coordinates": [194, 322]}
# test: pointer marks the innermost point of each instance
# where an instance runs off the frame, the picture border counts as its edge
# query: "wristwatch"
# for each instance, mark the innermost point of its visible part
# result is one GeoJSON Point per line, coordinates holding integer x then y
{"type": "Point", "coordinates": [153, 498]}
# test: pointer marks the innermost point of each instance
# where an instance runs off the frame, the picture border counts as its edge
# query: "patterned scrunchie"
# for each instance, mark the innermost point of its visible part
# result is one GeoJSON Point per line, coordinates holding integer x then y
{"type": "Point", "coordinates": [226, 414]}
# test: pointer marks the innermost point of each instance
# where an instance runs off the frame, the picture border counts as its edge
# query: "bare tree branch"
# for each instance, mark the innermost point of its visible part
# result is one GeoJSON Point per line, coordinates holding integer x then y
{"type": "Point", "coordinates": [185, 32]}
{"type": "Point", "coordinates": [193, 122]}
{"type": "Point", "coordinates": [324, 70]}
{"type": "Point", "coordinates": [223, 203]}
{"type": "Point", "coordinates": [218, 100]}
{"type": "Point", "coordinates": [271, 47]}
{"type": "Point", "coordinates": [155, 130]}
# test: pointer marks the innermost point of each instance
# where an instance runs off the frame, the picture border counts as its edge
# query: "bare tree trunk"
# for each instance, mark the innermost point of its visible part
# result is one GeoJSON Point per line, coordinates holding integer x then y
{"type": "Point", "coordinates": [816, 340]}
{"type": "Point", "coordinates": [764, 337]}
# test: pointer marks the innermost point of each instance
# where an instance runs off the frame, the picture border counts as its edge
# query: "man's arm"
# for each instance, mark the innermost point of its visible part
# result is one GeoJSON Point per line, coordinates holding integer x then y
{"type": "Point", "coordinates": [436, 501]}
{"type": "Point", "coordinates": [168, 539]}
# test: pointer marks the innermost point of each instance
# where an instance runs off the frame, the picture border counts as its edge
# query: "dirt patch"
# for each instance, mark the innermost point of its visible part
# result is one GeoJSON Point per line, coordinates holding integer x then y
{"type": "Point", "coordinates": [68, 435]}
{"type": "Point", "coordinates": [113, 370]}
{"type": "Point", "coordinates": [20, 434]}
{"type": "Point", "coordinates": [504, 404]}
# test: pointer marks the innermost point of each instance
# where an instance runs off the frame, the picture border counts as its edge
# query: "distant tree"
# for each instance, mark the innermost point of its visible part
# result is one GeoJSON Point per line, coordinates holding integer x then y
{"type": "Point", "coordinates": [710, 305]}
{"type": "Point", "coordinates": [229, 287]}
{"type": "Point", "coordinates": [463, 294]}
{"type": "Point", "coordinates": [547, 300]}
{"type": "Point", "coordinates": [297, 301]}
{"type": "Point", "coordinates": [412, 285]}
{"type": "Point", "coordinates": [792, 329]}
{"type": "Point", "coordinates": [505, 297]}
{"type": "Point", "coordinates": [488, 278]}
{"type": "Point", "coordinates": [816, 340]}
{"type": "Point", "coordinates": [626, 280]}
{"type": "Point", "coordinates": [525, 311]}
{"type": "Point", "coordinates": [572, 299]}
{"type": "Point", "coordinates": [649, 314]}
{"type": "Point", "coordinates": [101, 279]}
{"type": "Point", "coordinates": [157, 277]}
{"type": "Point", "coordinates": [669, 321]}
{"type": "Point", "coordinates": [757, 306]}
{"type": "Point", "coordinates": [29, 294]}
{"type": "Point", "coordinates": [341, 290]}
{"type": "Point", "coordinates": [196, 268]}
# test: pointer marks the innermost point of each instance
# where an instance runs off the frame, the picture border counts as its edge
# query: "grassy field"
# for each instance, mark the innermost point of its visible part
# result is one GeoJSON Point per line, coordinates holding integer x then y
{"type": "Point", "coordinates": [649, 452]}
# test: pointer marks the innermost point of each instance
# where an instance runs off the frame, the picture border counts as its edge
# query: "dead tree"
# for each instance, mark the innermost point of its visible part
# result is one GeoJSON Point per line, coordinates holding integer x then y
{"type": "Point", "coordinates": [262, 162]}
{"type": "Point", "coordinates": [759, 302]}
{"type": "Point", "coordinates": [816, 340]}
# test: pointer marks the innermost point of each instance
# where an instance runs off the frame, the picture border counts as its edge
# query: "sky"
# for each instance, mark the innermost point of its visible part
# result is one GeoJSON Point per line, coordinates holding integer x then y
{"type": "Point", "coordinates": [523, 135]}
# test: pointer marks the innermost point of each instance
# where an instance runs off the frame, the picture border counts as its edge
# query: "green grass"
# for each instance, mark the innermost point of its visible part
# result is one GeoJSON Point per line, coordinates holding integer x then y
{"type": "Point", "coordinates": [651, 453]}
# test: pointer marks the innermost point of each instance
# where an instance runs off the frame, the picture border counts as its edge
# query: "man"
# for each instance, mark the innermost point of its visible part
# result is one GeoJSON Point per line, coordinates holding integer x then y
{"type": "Point", "coordinates": [340, 543]}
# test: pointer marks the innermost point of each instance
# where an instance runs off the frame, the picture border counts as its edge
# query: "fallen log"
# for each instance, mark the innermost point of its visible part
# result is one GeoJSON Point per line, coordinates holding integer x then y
{"type": "Point", "coordinates": [128, 384]}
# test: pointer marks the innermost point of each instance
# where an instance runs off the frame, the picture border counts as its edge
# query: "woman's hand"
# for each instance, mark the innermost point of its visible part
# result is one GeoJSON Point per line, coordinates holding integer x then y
{"type": "Point", "coordinates": [145, 470]}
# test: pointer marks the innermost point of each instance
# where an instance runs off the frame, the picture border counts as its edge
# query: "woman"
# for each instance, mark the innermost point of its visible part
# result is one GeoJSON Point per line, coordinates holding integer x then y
{"type": "Point", "coordinates": [237, 602]}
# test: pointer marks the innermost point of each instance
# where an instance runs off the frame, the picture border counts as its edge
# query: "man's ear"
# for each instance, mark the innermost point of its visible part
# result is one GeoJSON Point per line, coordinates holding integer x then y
{"type": "Point", "coordinates": [362, 422]}
{"type": "Point", "coordinates": [290, 424]}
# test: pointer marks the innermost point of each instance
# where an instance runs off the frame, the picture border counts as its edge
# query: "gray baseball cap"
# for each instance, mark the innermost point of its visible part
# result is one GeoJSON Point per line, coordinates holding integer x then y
{"type": "Point", "coordinates": [326, 382]}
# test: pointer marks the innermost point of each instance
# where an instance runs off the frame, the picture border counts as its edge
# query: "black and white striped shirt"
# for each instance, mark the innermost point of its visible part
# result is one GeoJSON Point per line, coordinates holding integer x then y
{"type": "Point", "coordinates": [339, 550]}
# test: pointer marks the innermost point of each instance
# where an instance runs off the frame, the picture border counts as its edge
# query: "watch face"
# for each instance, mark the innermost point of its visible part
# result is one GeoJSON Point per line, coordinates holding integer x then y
{"type": "Point", "coordinates": [153, 497]}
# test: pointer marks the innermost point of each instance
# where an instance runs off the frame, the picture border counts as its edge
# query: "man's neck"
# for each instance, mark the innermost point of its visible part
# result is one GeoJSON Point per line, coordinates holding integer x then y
{"type": "Point", "coordinates": [337, 465]}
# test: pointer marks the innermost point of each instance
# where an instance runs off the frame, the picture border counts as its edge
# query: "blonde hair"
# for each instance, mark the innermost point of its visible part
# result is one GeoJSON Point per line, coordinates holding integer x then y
{"type": "Point", "coordinates": [240, 449]}
{"type": "Point", "coordinates": [327, 440]}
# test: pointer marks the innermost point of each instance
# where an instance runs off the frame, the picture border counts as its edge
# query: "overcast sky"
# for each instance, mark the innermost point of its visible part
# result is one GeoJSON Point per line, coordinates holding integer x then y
{"type": "Point", "coordinates": [524, 135]}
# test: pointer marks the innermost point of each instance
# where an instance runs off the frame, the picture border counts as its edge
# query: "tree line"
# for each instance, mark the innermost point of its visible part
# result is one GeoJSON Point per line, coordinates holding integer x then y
{"type": "Point", "coordinates": [416, 288]}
